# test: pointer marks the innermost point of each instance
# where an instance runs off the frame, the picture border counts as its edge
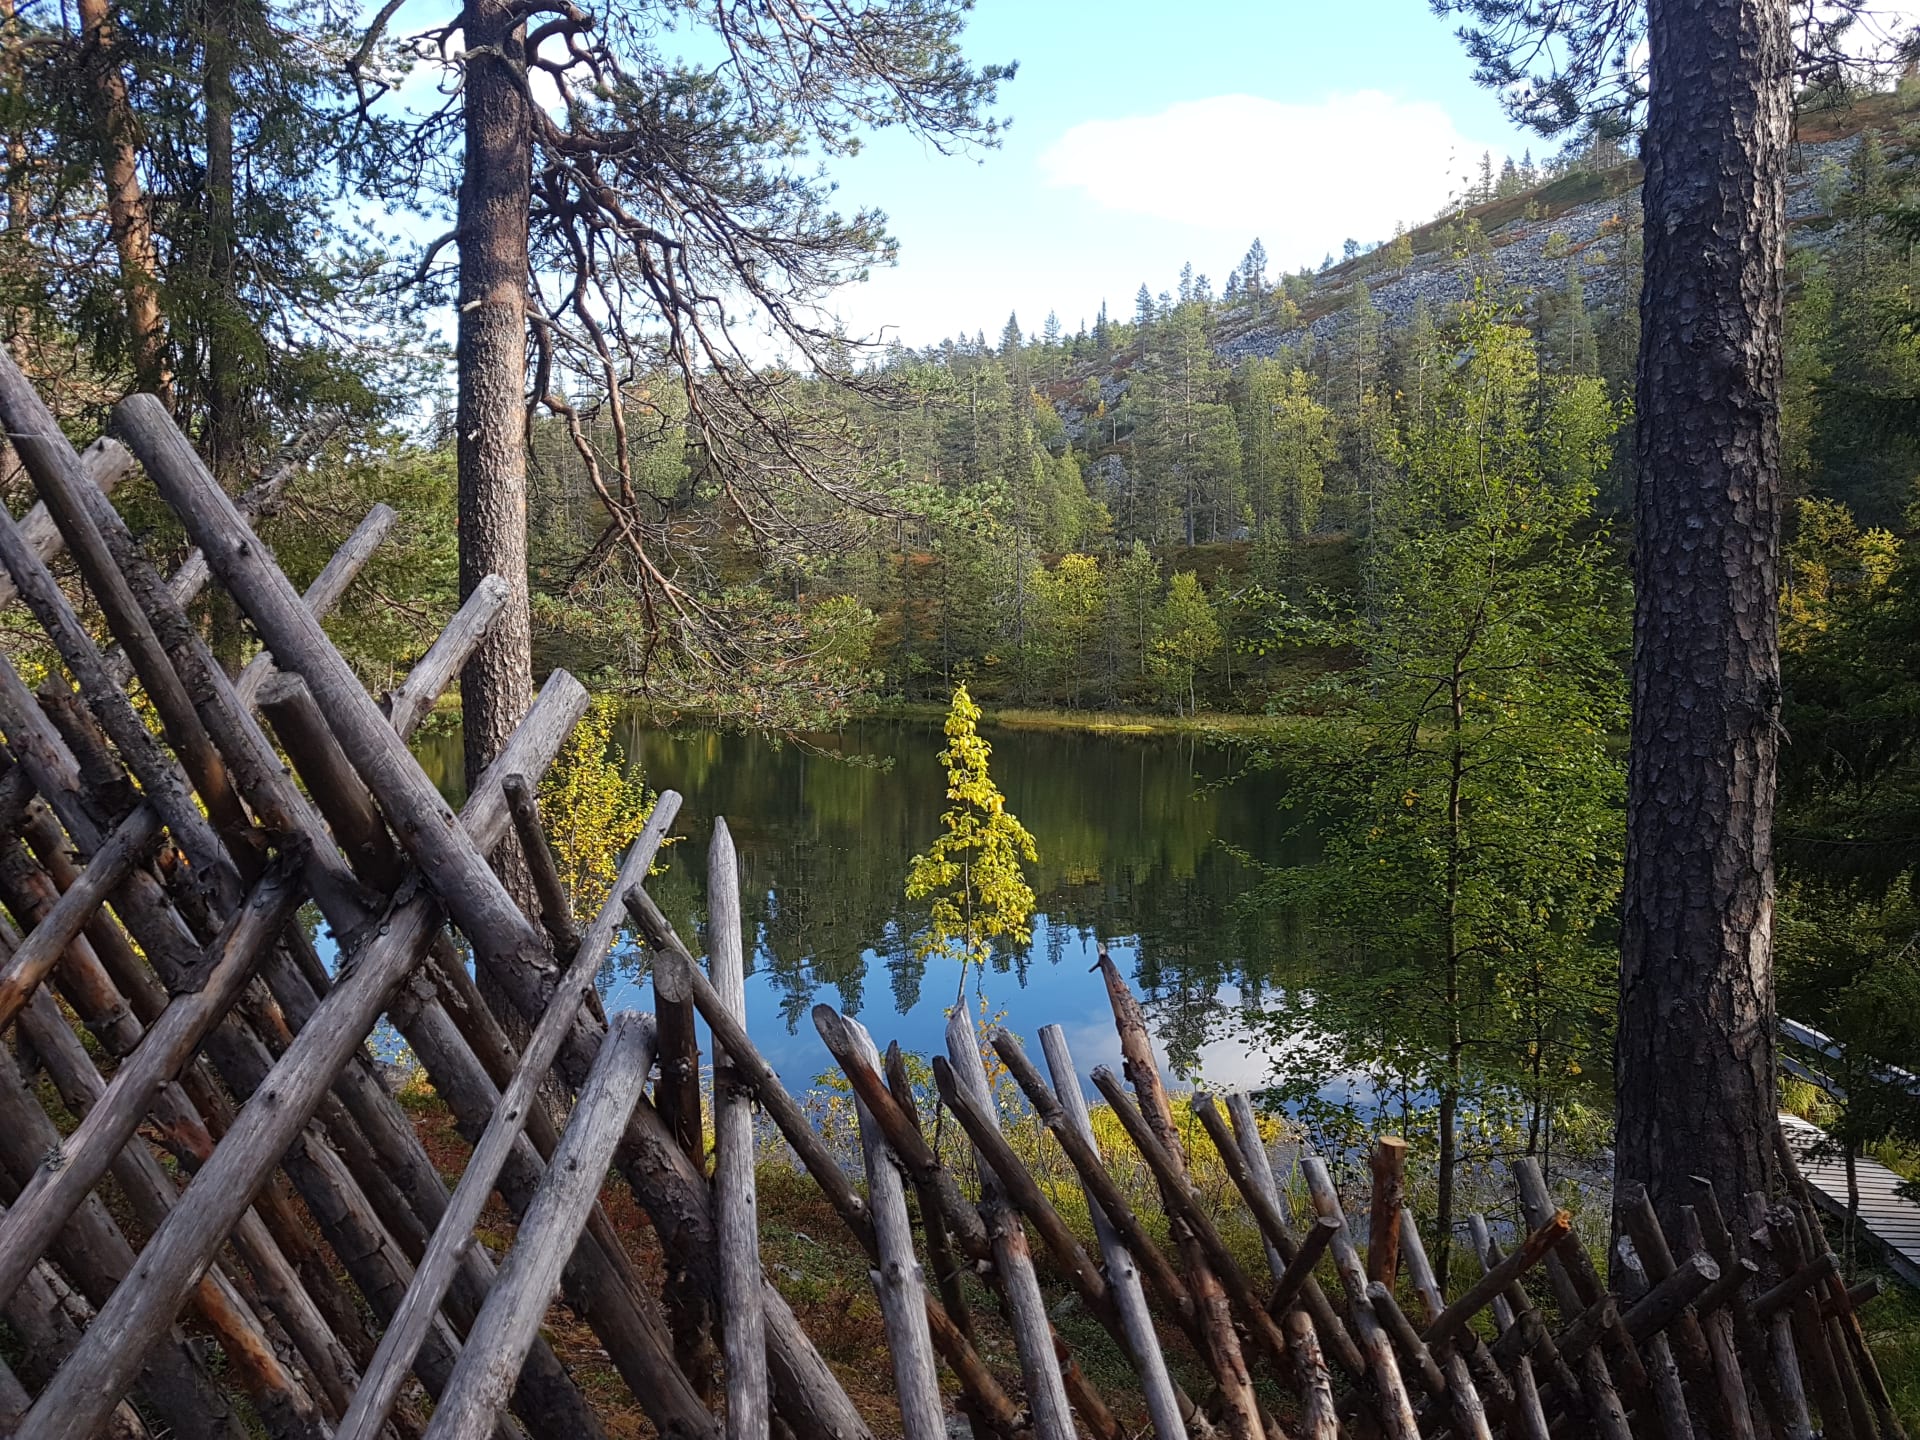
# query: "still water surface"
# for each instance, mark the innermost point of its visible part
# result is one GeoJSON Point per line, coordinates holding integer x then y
{"type": "Point", "coordinates": [1140, 840]}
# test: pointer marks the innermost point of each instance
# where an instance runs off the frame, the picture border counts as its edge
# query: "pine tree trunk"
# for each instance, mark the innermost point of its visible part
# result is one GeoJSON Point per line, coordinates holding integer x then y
{"type": "Point", "coordinates": [223, 441]}
{"type": "Point", "coordinates": [495, 196]}
{"type": "Point", "coordinates": [1694, 1071]}
{"type": "Point", "coordinates": [129, 220]}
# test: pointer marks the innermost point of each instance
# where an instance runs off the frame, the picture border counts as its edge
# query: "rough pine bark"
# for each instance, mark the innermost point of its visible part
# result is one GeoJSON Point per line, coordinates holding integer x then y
{"type": "Point", "coordinates": [496, 192]}
{"type": "Point", "coordinates": [495, 196]}
{"type": "Point", "coordinates": [129, 219]}
{"type": "Point", "coordinates": [1694, 1062]}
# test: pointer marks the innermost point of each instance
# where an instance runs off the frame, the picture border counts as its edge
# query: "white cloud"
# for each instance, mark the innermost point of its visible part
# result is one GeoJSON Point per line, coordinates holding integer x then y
{"type": "Point", "coordinates": [1301, 177]}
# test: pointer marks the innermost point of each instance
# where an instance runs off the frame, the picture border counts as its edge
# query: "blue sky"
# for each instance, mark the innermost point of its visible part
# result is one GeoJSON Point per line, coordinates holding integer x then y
{"type": "Point", "coordinates": [1145, 135]}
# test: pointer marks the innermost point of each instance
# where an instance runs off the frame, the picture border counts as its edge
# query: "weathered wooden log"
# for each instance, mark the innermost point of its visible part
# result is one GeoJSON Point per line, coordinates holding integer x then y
{"type": "Point", "coordinates": [333, 1199]}
{"type": "Point", "coordinates": [466, 1057]}
{"type": "Point", "coordinates": [1463, 1393]}
{"type": "Point", "coordinates": [47, 1317]}
{"type": "Point", "coordinates": [1639, 1220]}
{"type": "Point", "coordinates": [1818, 1363]}
{"type": "Point", "coordinates": [1387, 1164]}
{"type": "Point", "coordinates": [1394, 1408]}
{"type": "Point", "coordinates": [897, 1278]}
{"type": "Point", "coordinates": [556, 911]}
{"type": "Point", "coordinates": [1022, 1191]}
{"type": "Point", "coordinates": [1293, 1276]}
{"type": "Point", "coordinates": [47, 942]}
{"type": "Point", "coordinates": [933, 1221]}
{"type": "Point", "coordinates": [736, 1206]}
{"type": "Point", "coordinates": [1718, 1327]}
{"type": "Point", "coordinates": [545, 1391]}
{"type": "Point", "coordinates": [435, 1272]}
{"type": "Point", "coordinates": [159, 777]}
{"type": "Point", "coordinates": [1413, 1350]}
{"type": "Point", "coordinates": [326, 591]}
{"type": "Point", "coordinates": [508, 1322]}
{"type": "Point", "coordinates": [1160, 1277]}
{"type": "Point", "coordinates": [434, 671]}
{"type": "Point", "coordinates": [28, 1139]}
{"type": "Point", "coordinates": [151, 1195]}
{"type": "Point", "coordinates": [1664, 1303]}
{"type": "Point", "coordinates": [1810, 1276]}
{"type": "Point", "coordinates": [1026, 1307]}
{"type": "Point", "coordinates": [1575, 1287]}
{"type": "Point", "coordinates": [1184, 1207]}
{"type": "Point", "coordinates": [1239, 1408]}
{"type": "Point", "coordinates": [1526, 1418]}
{"type": "Point", "coordinates": [1318, 1420]}
{"type": "Point", "coordinates": [1167, 1407]}
{"type": "Point", "coordinates": [104, 464]}
{"type": "Point", "coordinates": [84, 1390]}
{"type": "Point", "coordinates": [1669, 1395]}
{"type": "Point", "coordinates": [504, 941]}
{"type": "Point", "coordinates": [1495, 1280]}
{"type": "Point", "coordinates": [52, 1193]}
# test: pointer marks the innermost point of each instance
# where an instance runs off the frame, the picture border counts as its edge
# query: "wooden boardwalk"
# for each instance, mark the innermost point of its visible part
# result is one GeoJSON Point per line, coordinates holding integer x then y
{"type": "Point", "coordinates": [1885, 1214]}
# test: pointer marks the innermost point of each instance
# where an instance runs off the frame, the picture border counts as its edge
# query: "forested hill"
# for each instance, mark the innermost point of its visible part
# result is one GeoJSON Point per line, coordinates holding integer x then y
{"type": "Point", "coordinates": [1170, 508]}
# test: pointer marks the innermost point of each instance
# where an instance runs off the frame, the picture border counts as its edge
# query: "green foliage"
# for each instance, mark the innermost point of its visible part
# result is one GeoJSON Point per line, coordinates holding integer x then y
{"type": "Point", "coordinates": [1185, 635]}
{"type": "Point", "coordinates": [972, 872]}
{"type": "Point", "coordinates": [593, 804]}
{"type": "Point", "coordinates": [1471, 800]}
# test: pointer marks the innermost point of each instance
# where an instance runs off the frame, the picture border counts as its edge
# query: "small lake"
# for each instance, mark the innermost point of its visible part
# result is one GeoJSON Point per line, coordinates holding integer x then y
{"type": "Point", "coordinates": [1139, 836]}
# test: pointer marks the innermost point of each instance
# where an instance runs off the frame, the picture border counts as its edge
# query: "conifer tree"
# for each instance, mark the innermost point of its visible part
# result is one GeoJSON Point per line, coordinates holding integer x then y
{"type": "Point", "coordinates": [972, 872]}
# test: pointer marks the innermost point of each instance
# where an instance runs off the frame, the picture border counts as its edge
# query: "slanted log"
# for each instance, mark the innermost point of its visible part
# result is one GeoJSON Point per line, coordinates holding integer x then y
{"type": "Point", "coordinates": [1526, 1417]}
{"type": "Point", "coordinates": [1494, 1281]}
{"type": "Point", "coordinates": [1026, 1307]}
{"type": "Point", "coordinates": [152, 1196]}
{"type": "Point", "coordinates": [1167, 1407]}
{"type": "Point", "coordinates": [452, 1236]}
{"type": "Point", "coordinates": [92, 1250]}
{"type": "Point", "coordinates": [1393, 1406]}
{"type": "Point", "coordinates": [933, 1220]}
{"type": "Point", "coordinates": [1184, 1207]}
{"type": "Point", "coordinates": [434, 671]}
{"type": "Point", "coordinates": [736, 1207]}
{"type": "Point", "coordinates": [83, 1392]}
{"type": "Point", "coordinates": [1665, 1302]}
{"type": "Point", "coordinates": [1407, 1340]}
{"type": "Point", "coordinates": [1669, 1396]}
{"type": "Point", "coordinates": [107, 1128]}
{"type": "Point", "coordinates": [509, 1321]}
{"type": "Point", "coordinates": [1251, 1170]}
{"type": "Point", "coordinates": [1718, 1328]}
{"type": "Point", "coordinates": [503, 939]}
{"type": "Point", "coordinates": [556, 911]}
{"type": "Point", "coordinates": [465, 1052]}
{"type": "Point", "coordinates": [1575, 1287]}
{"type": "Point", "coordinates": [47, 942]}
{"type": "Point", "coordinates": [897, 1277]}
{"type": "Point", "coordinates": [1463, 1394]}
{"type": "Point", "coordinates": [1239, 1408]}
{"type": "Point", "coordinates": [327, 589]}
{"type": "Point", "coordinates": [104, 464]}
{"type": "Point", "coordinates": [1818, 1363]}
{"type": "Point", "coordinates": [1318, 1419]}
